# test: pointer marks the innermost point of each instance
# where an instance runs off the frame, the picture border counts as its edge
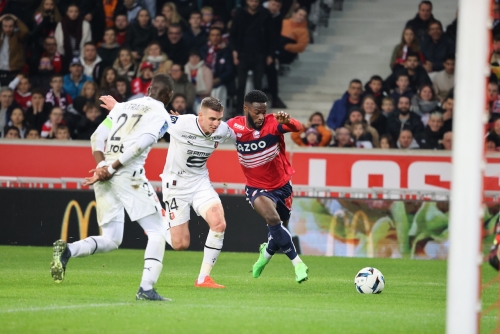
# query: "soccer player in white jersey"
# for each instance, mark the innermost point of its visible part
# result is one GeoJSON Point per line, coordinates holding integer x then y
{"type": "Point", "coordinates": [186, 183]}
{"type": "Point", "coordinates": [120, 146]}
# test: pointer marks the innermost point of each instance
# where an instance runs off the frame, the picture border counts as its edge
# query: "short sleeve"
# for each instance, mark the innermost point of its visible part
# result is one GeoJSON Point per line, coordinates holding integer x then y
{"type": "Point", "coordinates": [229, 136]}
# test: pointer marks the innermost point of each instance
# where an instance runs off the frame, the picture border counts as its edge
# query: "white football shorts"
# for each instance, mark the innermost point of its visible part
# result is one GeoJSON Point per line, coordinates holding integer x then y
{"type": "Point", "coordinates": [180, 194]}
{"type": "Point", "coordinates": [134, 194]}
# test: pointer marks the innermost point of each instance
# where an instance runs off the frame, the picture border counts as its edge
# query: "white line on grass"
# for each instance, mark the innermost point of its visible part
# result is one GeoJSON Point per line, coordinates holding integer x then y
{"type": "Point", "coordinates": [63, 307]}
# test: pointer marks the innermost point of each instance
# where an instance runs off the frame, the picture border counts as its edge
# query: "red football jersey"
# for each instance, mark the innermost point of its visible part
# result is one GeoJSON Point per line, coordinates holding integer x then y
{"type": "Point", "coordinates": [262, 153]}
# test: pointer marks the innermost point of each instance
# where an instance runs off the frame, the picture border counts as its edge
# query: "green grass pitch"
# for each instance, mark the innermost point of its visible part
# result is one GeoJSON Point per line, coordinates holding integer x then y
{"type": "Point", "coordinates": [98, 296]}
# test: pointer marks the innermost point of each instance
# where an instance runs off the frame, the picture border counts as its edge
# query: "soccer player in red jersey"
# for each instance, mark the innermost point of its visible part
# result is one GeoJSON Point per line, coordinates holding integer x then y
{"type": "Point", "coordinates": [261, 152]}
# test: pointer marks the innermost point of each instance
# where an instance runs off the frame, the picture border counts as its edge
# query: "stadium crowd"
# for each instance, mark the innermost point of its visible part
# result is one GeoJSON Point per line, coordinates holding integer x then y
{"type": "Point", "coordinates": [58, 56]}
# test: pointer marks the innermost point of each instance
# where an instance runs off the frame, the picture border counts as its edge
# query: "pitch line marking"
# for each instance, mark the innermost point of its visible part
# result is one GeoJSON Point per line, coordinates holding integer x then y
{"type": "Point", "coordinates": [65, 307]}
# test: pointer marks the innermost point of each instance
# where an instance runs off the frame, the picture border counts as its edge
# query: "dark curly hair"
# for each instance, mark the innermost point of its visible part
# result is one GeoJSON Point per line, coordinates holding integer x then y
{"type": "Point", "coordinates": [256, 96]}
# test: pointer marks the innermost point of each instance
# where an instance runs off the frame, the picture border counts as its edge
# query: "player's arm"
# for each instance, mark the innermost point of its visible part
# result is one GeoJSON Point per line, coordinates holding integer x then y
{"type": "Point", "coordinates": [286, 123]}
{"type": "Point", "coordinates": [98, 143]}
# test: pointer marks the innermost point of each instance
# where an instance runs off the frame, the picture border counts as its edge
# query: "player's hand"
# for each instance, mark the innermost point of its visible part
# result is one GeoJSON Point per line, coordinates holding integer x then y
{"type": "Point", "coordinates": [269, 60]}
{"type": "Point", "coordinates": [108, 102]}
{"type": "Point", "coordinates": [282, 117]}
{"type": "Point", "coordinates": [90, 180]}
{"type": "Point", "coordinates": [173, 112]}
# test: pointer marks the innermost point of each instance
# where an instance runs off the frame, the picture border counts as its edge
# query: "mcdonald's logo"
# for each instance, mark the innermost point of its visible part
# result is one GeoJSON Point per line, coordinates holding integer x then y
{"type": "Point", "coordinates": [83, 219]}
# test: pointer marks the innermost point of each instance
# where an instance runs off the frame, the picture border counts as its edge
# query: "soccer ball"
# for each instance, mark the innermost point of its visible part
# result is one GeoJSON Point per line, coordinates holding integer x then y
{"type": "Point", "coordinates": [369, 280]}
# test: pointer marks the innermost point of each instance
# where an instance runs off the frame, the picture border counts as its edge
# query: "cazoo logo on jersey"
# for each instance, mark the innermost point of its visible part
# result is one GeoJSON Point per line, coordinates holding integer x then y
{"type": "Point", "coordinates": [249, 147]}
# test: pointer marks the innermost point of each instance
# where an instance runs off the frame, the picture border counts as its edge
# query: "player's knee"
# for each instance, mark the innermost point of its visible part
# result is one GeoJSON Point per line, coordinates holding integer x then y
{"type": "Point", "coordinates": [218, 225]}
{"type": "Point", "coordinates": [180, 245]}
{"type": "Point", "coordinates": [272, 219]}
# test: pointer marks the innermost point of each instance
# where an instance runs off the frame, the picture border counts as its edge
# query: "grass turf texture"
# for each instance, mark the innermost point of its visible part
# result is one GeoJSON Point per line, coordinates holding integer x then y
{"type": "Point", "coordinates": [98, 295]}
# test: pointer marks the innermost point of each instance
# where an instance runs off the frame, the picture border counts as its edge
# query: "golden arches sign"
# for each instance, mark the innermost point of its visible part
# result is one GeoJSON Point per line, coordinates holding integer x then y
{"type": "Point", "coordinates": [83, 219]}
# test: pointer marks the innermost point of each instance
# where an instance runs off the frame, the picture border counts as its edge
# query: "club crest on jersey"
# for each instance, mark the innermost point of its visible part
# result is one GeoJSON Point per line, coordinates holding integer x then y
{"type": "Point", "coordinates": [256, 134]}
{"type": "Point", "coordinates": [239, 135]}
{"type": "Point", "coordinates": [216, 144]}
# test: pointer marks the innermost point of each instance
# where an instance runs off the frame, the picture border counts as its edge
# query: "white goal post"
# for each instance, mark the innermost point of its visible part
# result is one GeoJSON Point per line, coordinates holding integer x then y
{"type": "Point", "coordinates": [465, 256]}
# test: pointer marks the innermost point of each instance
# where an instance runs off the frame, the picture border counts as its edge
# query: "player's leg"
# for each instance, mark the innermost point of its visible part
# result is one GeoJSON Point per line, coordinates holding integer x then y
{"type": "Point", "coordinates": [176, 217]}
{"type": "Point", "coordinates": [110, 216]}
{"type": "Point", "coordinates": [275, 208]}
{"type": "Point", "coordinates": [206, 203]}
{"type": "Point", "coordinates": [153, 256]}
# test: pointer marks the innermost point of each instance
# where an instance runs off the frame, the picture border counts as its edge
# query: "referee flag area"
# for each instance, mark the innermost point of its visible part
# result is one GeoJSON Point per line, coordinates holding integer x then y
{"type": "Point", "coordinates": [98, 295]}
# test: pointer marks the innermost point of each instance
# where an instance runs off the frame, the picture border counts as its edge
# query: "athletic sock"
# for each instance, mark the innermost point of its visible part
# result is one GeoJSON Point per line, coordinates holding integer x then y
{"type": "Point", "coordinates": [272, 247]}
{"type": "Point", "coordinates": [283, 239]}
{"type": "Point", "coordinates": [92, 245]}
{"type": "Point", "coordinates": [153, 257]}
{"type": "Point", "coordinates": [213, 246]}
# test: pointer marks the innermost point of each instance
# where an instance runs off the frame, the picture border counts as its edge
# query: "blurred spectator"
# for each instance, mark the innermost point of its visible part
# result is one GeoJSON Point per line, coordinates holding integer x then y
{"type": "Point", "coordinates": [402, 87]}
{"type": "Point", "coordinates": [494, 133]}
{"type": "Point", "coordinates": [56, 118]}
{"type": "Point", "coordinates": [44, 74]}
{"type": "Point", "coordinates": [420, 23]}
{"type": "Point", "coordinates": [62, 133]}
{"type": "Point", "coordinates": [140, 34]}
{"type": "Point", "coordinates": [32, 134]}
{"type": "Point", "coordinates": [416, 73]}
{"type": "Point", "coordinates": [185, 7]}
{"type": "Point", "coordinates": [161, 36]}
{"type": "Point", "coordinates": [409, 43]}
{"type": "Point", "coordinates": [108, 82]}
{"type": "Point", "coordinates": [493, 96]}
{"type": "Point", "coordinates": [72, 33]}
{"type": "Point", "coordinates": [109, 50]}
{"type": "Point", "coordinates": [362, 138]}
{"type": "Point", "coordinates": [110, 10]}
{"type": "Point", "coordinates": [39, 111]}
{"type": "Point", "coordinates": [89, 123]}
{"type": "Point", "coordinates": [404, 119]}
{"type": "Point", "coordinates": [372, 114]}
{"type": "Point", "coordinates": [356, 116]}
{"type": "Point", "coordinates": [195, 37]}
{"type": "Point", "coordinates": [150, 5]}
{"type": "Point", "coordinates": [387, 106]}
{"type": "Point", "coordinates": [17, 120]}
{"type": "Point", "coordinates": [169, 10]}
{"type": "Point", "coordinates": [311, 137]}
{"type": "Point", "coordinates": [49, 51]}
{"type": "Point", "coordinates": [199, 75]}
{"type": "Point", "coordinates": [386, 142]}
{"type": "Point", "coordinates": [57, 96]}
{"type": "Point", "coordinates": [91, 62]}
{"type": "Point", "coordinates": [351, 98]}
{"type": "Point", "coordinates": [444, 80]}
{"type": "Point", "coordinates": [179, 104]}
{"type": "Point", "coordinates": [7, 104]}
{"type": "Point", "coordinates": [141, 84]}
{"type": "Point", "coordinates": [157, 58]}
{"type": "Point", "coordinates": [73, 82]}
{"type": "Point", "coordinates": [436, 47]}
{"type": "Point", "coordinates": [447, 141]}
{"type": "Point", "coordinates": [123, 89]}
{"type": "Point", "coordinates": [12, 42]}
{"type": "Point", "coordinates": [274, 7]}
{"type": "Point", "coordinates": [424, 103]}
{"type": "Point", "coordinates": [221, 10]}
{"type": "Point", "coordinates": [88, 95]}
{"type": "Point", "coordinates": [294, 36]}
{"type": "Point", "coordinates": [374, 87]}
{"type": "Point", "coordinates": [131, 8]}
{"type": "Point", "coordinates": [252, 42]}
{"type": "Point", "coordinates": [433, 134]}
{"type": "Point", "coordinates": [448, 104]}
{"type": "Point", "coordinates": [316, 121]}
{"type": "Point", "coordinates": [451, 30]}
{"type": "Point", "coordinates": [495, 56]}
{"type": "Point", "coordinates": [46, 18]}
{"type": "Point", "coordinates": [176, 48]}
{"type": "Point", "coordinates": [182, 85]}
{"type": "Point", "coordinates": [125, 64]}
{"type": "Point", "coordinates": [343, 138]}
{"type": "Point", "coordinates": [222, 26]}
{"type": "Point", "coordinates": [11, 132]}
{"type": "Point", "coordinates": [218, 59]}
{"type": "Point", "coordinates": [22, 94]}
{"type": "Point", "coordinates": [121, 28]}
{"type": "Point", "coordinates": [207, 17]}
{"type": "Point", "coordinates": [406, 141]}
{"type": "Point", "coordinates": [490, 145]}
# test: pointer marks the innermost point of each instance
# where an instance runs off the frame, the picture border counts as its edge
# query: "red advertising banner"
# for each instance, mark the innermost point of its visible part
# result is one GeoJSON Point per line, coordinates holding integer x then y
{"type": "Point", "coordinates": [322, 167]}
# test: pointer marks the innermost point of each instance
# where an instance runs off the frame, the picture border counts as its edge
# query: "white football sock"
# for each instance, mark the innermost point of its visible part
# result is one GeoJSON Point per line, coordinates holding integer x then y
{"type": "Point", "coordinates": [92, 245]}
{"type": "Point", "coordinates": [296, 260]}
{"type": "Point", "coordinates": [267, 255]}
{"type": "Point", "coordinates": [150, 274]}
{"type": "Point", "coordinates": [213, 246]}
{"type": "Point", "coordinates": [155, 250]}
